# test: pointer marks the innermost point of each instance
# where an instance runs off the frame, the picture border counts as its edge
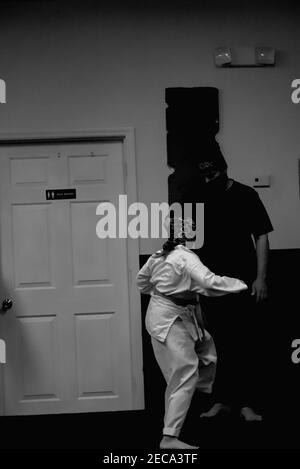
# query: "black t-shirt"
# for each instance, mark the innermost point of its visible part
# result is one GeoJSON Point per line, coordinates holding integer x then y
{"type": "Point", "coordinates": [230, 223]}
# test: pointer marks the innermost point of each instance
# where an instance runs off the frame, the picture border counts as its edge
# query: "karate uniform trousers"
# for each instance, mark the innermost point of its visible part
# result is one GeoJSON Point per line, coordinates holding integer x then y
{"type": "Point", "coordinates": [186, 362]}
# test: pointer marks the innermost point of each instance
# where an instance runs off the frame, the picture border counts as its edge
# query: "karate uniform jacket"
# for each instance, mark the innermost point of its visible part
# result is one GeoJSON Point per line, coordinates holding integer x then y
{"type": "Point", "coordinates": [180, 271]}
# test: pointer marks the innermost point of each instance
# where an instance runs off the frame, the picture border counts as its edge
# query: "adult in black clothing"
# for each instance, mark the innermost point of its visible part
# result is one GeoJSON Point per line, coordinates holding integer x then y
{"type": "Point", "coordinates": [236, 227]}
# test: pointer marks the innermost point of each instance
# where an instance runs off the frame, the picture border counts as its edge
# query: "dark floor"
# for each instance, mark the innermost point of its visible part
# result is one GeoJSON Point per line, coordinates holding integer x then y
{"type": "Point", "coordinates": [141, 430]}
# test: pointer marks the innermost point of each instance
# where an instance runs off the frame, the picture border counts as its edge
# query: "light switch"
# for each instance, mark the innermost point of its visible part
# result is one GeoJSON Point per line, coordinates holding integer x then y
{"type": "Point", "coordinates": [261, 181]}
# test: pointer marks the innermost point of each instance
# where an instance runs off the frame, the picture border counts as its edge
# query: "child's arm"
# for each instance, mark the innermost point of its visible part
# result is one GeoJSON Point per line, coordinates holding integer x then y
{"type": "Point", "coordinates": [143, 279]}
{"type": "Point", "coordinates": [209, 284]}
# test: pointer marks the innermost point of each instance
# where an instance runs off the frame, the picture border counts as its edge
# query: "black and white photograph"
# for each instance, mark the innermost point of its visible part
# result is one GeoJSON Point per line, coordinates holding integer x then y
{"type": "Point", "coordinates": [149, 228]}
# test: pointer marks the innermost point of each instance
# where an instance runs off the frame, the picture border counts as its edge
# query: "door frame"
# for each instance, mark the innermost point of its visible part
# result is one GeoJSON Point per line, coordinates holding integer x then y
{"type": "Point", "coordinates": [125, 135]}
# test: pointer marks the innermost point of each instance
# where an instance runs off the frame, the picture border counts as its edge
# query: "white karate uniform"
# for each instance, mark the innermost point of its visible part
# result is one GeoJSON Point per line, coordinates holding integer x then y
{"type": "Point", "coordinates": [186, 362]}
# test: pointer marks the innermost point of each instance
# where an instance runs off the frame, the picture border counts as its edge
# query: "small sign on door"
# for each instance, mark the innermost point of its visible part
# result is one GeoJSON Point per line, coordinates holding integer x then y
{"type": "Point", "coordinates": [56, 194]}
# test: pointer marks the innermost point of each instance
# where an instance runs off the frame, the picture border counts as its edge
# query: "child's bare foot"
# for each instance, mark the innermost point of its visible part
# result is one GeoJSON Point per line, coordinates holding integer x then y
{"type": "Point", "coordinates": [215, 410]}
{"type": "Point", "coordinates": [171, 442]}
{"type": "Point", "coordinates": [249, 415]}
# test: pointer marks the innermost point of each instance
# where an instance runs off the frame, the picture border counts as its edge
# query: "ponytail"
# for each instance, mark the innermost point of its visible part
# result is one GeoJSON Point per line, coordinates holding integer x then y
{"type": "Point", "coordinates": [178, 227]}
{"type": "Point", "coordinates": [169, 246]}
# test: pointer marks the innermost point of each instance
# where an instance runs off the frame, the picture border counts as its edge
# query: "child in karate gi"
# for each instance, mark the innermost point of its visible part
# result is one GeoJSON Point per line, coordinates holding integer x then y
{"type": "Point", "coordinates": [184, 350]}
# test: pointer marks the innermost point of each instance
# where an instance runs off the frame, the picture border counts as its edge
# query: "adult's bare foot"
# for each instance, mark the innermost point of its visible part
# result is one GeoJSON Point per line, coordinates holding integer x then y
{"type": "Point", "coordinates": [172, 442]}
{"type": "Point", "coordinates": [249, 415]}
{"type": "Point", "coordinates": [215, 410]}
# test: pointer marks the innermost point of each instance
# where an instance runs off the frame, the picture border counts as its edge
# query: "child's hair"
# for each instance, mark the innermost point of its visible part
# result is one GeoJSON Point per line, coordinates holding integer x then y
{"type": "Point", "coordinates": [178, 229]}
{"type": "Point", "coordinates": [170, 245]}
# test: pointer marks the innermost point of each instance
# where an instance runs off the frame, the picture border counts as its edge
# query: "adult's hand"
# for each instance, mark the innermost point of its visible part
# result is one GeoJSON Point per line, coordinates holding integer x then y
{"type": "Point", "coordinates": [260, 290]}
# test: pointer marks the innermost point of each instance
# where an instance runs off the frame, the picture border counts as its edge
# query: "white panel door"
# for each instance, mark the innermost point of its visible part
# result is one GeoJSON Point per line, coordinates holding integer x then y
{"type": "Point", "coordinates": [68, 332]}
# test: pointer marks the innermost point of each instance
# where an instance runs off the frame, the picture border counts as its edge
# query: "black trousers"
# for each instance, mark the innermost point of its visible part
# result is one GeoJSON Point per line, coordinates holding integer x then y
{"type": "Point", "coordinates": [236, 324]}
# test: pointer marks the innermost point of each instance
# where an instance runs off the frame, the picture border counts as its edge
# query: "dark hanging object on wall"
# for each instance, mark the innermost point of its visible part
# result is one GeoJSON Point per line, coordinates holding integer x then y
{"type": "Point", "coordinates": [198, 94]}
{"type": "Point", "coordinates": [192, 108]}
{"type": "Point", "coordinates": [192, 121]}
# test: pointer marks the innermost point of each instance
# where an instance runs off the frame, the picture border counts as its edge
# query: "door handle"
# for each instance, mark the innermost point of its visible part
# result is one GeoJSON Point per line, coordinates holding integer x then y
{"type": "Point", "coordinates": [6, 305]}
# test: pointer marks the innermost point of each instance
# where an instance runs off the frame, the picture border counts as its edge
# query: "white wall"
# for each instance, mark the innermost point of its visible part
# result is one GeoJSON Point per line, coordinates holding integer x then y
{"type": "Point", "coordinates": [96, 66]}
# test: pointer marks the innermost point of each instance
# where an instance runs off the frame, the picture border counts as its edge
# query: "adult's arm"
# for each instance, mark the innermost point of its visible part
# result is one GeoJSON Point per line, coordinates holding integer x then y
{"type": "Point", "coordinates": [261, 225]}
{"type": "Point", "coordinates": [259, 286]}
